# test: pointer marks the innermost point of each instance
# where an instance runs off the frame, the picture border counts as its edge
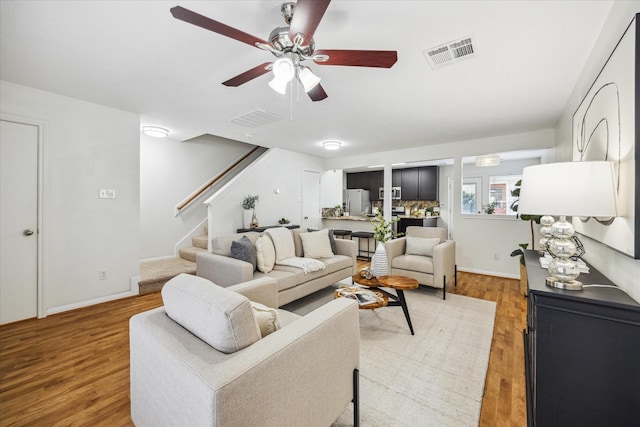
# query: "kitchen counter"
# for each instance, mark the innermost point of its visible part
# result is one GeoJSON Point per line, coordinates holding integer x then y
{"type": "Point", "coordinates": [418, 217]}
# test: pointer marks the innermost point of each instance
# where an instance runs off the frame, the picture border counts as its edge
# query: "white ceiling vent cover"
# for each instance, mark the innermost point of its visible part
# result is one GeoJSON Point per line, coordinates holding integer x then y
{"type": "Point", "coordinates": [256, 118]}
{"type": "Point", "coordinates": [451, 52]}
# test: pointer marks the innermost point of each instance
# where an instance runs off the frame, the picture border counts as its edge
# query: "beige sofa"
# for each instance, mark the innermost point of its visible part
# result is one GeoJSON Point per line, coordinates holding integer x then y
{"type": "Point", "coordinates": [303, 374]}
{"type": "Point", "coordinates": [429, 258]}
{"type": "Point", "coordinates": [293, 283]}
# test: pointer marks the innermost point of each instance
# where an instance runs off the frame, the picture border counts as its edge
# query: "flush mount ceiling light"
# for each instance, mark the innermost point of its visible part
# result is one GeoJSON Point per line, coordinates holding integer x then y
{"type": "Point", "coordinates": [488, 160]}
{"type": "Point", "coordinates": [155, 131]}
{"type": "Point", "coordinates": [332, 145]}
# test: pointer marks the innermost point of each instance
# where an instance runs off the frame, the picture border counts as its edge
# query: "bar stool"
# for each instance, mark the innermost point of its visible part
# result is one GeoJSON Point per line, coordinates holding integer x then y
{"type": "Point", "coordinates": [342, 234]}
{"type": "Point", "coordinates": [363, 235]}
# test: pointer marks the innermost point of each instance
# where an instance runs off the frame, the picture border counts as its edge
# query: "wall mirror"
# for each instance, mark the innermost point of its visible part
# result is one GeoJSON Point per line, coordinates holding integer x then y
{"type": "Point", "coordinates": [488, 180]}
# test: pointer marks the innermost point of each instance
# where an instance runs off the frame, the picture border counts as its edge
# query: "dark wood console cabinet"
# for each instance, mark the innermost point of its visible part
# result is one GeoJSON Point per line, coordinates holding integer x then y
{"type": "Point", "coordinates": [582, 353]}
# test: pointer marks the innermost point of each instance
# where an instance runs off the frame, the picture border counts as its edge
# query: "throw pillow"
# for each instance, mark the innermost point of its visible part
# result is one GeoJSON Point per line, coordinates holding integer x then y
{"type": "Point", "coordinates": [332, 239]}
{"type": "Point", "coordinates": [266, 317]}
{"type": "Point", "coordinates": [421, 245]}
{"type": "Point", "coordinates": [282, 239]}
{"type": "Point", "coordinates": [220, 317]}
{"type": "Point", "coordinates": [265, 254]}
{"type": "Point", "coordinates": [243, 250]}
{"type": "Point", "coordinates": [316, 244]}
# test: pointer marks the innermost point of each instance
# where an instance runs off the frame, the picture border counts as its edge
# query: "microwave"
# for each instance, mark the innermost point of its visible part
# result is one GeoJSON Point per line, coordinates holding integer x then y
{"type": "Point", "coordinates": [396, 193]}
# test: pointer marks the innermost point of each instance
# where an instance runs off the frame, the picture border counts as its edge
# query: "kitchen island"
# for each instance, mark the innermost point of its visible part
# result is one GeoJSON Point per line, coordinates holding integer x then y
{"type": "Point", "coordinates": [354, 223]}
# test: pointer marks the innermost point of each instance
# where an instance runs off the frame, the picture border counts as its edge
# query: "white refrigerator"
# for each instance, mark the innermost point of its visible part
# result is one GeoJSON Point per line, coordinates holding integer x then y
{"type": "Point", "coordinates": [356, 202]}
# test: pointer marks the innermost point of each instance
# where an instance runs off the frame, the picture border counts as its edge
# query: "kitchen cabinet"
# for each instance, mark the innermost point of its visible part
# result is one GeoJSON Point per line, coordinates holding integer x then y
{"type": "Point", "coordinates": [396, 178]}
{"type": "Point", "coordinates": [410, 184]}
{"type": "Point", "coordinates": [358, 180]}
{"type": "Point", "coordinates": [581, 352]}
{"type": "Point", "coordinates": [376, 181]}
{"type": "Point", "coordinates": [417, 222]}
{"type": "Point", "coordinates": [428, 183]}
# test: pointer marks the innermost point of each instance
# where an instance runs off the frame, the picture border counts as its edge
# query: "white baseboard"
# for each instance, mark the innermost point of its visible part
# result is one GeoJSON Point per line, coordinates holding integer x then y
{"type": "Point", "coordinates": [489, 273]}
{"type": "Point", "coordinates": [62, 308]}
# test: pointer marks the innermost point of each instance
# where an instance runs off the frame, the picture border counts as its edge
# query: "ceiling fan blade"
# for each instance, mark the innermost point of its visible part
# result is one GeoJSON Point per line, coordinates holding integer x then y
{"type": "Point", "coordinates": [317, 93]}
{"type": "Point", "coordinates": [248, 75]}
{"type": "Point", "coordinates": [201, 21]}
{"type": "Point", "coordinates": [359, 58]}
{"type": "Point", "coordinates": [306, 17]}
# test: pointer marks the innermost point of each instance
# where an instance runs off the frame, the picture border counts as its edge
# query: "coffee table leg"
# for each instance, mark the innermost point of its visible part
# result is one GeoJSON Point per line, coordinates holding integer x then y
{"type": "Point", "coordinates": [403, 303]}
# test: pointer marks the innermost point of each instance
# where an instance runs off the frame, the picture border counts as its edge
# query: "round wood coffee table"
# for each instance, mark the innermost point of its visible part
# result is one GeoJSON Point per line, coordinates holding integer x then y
{"type": "Point", "coordinates": [398, 283]}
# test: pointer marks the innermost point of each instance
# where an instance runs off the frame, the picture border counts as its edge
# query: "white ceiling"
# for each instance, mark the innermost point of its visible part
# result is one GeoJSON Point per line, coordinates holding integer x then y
{"type": "Point", "coordinates": [133, 55]}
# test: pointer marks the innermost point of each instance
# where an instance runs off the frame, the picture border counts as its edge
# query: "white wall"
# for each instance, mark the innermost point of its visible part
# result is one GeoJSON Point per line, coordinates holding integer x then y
{"type": "Point", "coordinates": [477, 238]}
{"type": "Point", "coordinates": [86, 147]}
{"type": "Point", "coordinates": [276, 169]}
{"type": "Point", "coordinates": [621, 269]}
{"type": "Point", "coordinates": [331, 185]}
{"type": "Point", "coordinates": [170, 171]}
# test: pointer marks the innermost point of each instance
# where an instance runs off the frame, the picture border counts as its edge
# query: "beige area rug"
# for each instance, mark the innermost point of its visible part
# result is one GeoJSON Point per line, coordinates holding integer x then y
{"type": "Point", "coordinates": [434, 378]}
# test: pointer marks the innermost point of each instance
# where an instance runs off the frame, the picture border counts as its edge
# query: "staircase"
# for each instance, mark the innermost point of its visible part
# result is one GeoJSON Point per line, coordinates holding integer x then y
{"type": "Point", "coordinates": [154, 274]}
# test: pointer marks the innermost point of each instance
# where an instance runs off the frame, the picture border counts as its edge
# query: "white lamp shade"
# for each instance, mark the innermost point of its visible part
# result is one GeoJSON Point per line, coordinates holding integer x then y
{"type": "Point", "coordinates": [307, 78]}
{"type": "Point", "coordinates": [279, 85]}
{"type": "Point", "coordinates": [284, 69]}
{"type": "Point", "coordinates": [568, 188]}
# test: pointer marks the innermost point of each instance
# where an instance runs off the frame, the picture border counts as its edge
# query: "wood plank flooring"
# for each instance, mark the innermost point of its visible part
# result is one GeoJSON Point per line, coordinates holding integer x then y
{"type": "Point", "coordinates": [72, 369]}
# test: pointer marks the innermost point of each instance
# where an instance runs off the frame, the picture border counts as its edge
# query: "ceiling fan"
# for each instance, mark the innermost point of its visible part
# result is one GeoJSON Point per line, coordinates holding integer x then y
{"type": "Point", "coordinates": [292, 44]}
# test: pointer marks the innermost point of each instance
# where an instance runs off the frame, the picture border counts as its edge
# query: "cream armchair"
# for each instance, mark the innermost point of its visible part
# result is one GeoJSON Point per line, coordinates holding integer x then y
{"type": "Point", "coordinates": [303, 374]}
{"type": "Point", "coordinates": [424, 254]}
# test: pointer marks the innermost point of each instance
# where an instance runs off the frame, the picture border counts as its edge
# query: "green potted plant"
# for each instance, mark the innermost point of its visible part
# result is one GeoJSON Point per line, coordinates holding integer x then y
{"type": "Point", "coordinates": [249, 218]}
{"type": "Point", "coordinates": [520, 252]}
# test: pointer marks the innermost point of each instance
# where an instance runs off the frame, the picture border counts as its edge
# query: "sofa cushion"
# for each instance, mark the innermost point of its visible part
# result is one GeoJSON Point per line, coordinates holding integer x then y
{"type": "Point", "coordinates": [337, 263]}
{"type": "Point", "coordinates": [301, 276]}
{"type": "Point", "coordinates": [418, 263]}
{"type": "Point", "coordinates": [221, 245]}
{"type": "Point", "coordinates": [316, 244]}
{"type": "Point", "coordinates": [222, 318]}
{"type": "Point", "coordinates": [244, 250]}
{"type": "Point", "coordinates": [284, 279]}
{"type": "Point", "coordinates": [267, 318]}
{"type": "Point", "coordinates": [421, 245]}
{"type": "Point", "coordinates": [265, 254]}
{"type": "Point", "coordinates": [282, 242]}
{"type": "Point", "coordinates": [297, 241]}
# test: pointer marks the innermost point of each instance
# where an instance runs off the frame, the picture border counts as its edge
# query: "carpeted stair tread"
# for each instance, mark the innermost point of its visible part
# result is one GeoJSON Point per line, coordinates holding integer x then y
{"type": "Point", "coordinates": [190, 253]}
{"type": "Point", "coordinates": [154, 274]}
{"type": "Point", "coordinates": [200, 241]}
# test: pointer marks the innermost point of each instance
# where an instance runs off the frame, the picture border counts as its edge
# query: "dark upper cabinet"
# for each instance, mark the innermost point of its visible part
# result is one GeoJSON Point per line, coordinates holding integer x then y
{"type": "Point", "coordinates": [428, 183]}
{"type": "Point", "coordinates": [396, 178]}
{"type": "Point", "coordinates": [377, 181]}
{"type": "Point", "coordinates": [416, 183]}
{"type": "Point", "coordinates": [410, 179]}
{"type": "Point", "coordinates": [357, 180]}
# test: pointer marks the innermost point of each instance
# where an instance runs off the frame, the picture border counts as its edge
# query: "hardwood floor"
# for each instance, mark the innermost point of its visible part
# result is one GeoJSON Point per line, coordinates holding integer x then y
{"type": "Point", "coordinates": [72, 368]}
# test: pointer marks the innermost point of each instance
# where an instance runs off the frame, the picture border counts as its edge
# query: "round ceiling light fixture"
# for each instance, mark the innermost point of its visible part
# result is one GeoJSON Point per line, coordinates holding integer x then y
{"type": "Point", "coordinates": [155, 131]}
{"type": "Point", "coordinates": [332, 145]}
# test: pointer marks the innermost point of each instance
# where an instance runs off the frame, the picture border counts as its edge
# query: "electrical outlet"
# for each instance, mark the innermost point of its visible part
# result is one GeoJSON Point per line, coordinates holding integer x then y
{"type": "Point", "coordinates": [103, 275]}
{"type": "Point", "coordinates": [496, 256]}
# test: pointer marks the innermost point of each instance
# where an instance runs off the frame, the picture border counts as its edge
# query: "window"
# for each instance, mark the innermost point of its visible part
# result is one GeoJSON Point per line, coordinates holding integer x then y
{"type": "Point", "coordinates": [471, 195]}
{"type": "Point", "coordinates": [500, 188]}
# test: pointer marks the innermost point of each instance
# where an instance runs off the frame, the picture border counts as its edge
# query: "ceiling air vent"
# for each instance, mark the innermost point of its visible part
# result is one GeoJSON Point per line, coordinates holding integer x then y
{"type": "Point", "coordinates": [256, 118]}
{"type": "Point", "coordinates": [451, 52]}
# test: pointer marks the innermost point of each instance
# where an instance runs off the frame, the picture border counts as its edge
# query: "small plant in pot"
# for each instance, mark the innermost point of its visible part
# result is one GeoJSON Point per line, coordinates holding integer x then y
{"type": "Point", "coordinates": [249, 205]}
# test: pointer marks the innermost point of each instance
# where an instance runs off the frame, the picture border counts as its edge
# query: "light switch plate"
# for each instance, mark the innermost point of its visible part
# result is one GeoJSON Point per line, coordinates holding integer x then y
{"type": "Point", "coordinates": [106, 193]}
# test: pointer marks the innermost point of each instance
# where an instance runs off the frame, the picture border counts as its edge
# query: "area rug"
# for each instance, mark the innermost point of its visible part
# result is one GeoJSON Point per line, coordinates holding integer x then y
{"type": "Point", "coordinates": [434, 378]}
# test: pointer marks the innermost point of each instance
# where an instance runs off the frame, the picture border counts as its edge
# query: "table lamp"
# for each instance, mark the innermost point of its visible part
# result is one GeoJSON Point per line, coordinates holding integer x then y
{"type": "Point", "coordinates": [564, 189]}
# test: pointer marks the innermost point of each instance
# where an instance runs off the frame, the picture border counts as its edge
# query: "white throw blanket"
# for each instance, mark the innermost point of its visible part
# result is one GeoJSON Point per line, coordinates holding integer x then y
{"type": "Point", "coordinates": [308, 265]}
{"type": "Point", "coordinates": [282, 242]}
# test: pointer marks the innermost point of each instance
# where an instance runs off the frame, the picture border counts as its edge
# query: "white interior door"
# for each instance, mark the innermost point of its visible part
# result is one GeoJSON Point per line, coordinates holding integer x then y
{"type": "Point", "coordinates": [311, 200]}
{"type": "Point", "coordinates": [18, 221]}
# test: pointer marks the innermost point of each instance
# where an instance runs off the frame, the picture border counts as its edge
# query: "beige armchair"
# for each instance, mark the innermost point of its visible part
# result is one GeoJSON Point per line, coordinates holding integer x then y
{"type": "Point", "coordinates": [303, 374]}
{"type": "Point", "coordinates": [425, 254]}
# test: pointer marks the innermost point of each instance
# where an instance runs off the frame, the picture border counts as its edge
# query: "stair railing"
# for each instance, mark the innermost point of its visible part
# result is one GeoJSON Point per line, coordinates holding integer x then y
{"type": "Point", "coordinates": [213, 180]}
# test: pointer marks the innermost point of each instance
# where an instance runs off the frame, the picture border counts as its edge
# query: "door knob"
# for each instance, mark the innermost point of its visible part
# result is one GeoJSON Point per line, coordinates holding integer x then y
{"type": "Point", "coordinates": [27, 232]}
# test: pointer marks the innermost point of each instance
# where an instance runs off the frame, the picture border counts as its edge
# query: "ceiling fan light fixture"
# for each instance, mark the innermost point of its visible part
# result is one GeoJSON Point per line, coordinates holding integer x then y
{"type": "Point", "coordinates": [283, 72]}
{"type": "Point", "coordinates": [279, 85]}
{"type": "Point", "coordinates": [307, 78]}
{"type": "Point", "coordinates": [155, 131]}
{"type": "Point", "coordinates": [332, 145]}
